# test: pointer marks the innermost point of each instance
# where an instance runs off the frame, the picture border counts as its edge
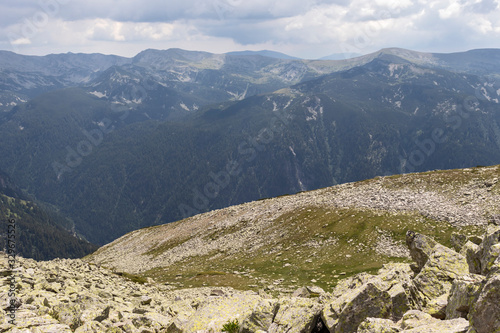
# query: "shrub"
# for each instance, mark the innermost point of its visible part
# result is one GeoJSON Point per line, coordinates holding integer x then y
{"type": "Point", "coordinates": [231, 326]}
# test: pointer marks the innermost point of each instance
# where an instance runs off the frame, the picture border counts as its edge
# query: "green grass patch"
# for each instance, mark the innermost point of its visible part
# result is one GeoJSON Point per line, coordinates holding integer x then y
{"type": "Point", "coordinates": [309, 246]}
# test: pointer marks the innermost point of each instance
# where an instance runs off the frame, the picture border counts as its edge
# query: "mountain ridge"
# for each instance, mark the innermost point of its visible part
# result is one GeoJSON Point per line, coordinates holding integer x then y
{"type": "Point", "coordinates": [347, 228]}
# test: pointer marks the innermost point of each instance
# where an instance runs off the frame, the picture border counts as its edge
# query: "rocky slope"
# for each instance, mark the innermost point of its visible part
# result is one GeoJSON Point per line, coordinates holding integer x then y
{"type": "Point", "coordinates": [443, 291]}
{"type": "Point", "coordinates": [321, 235]}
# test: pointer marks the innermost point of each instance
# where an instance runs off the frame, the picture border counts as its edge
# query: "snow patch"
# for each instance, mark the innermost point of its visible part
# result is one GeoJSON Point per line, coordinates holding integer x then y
{"type": "Point", "coordinates": [485, 94]}
{"type": "Point", "coordinates": [98, 94]}
{"type": "Point", "coordinates": [392, 68]}
{"type": "Point", "coordinates": [237, 96]}
{"type": "Point", "coordinates": [314, 111]}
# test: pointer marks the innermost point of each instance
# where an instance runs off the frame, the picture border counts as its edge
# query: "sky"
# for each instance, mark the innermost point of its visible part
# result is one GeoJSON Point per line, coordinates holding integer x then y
{"type": "Point", "coordinates": [303, 28]}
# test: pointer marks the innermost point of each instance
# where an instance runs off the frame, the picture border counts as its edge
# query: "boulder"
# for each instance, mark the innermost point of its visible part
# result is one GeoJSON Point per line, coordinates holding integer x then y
{"type": "Point", "coordinates": [471, 253]}
{"type": "Point", "coordinates": [485, 313]}
{"type": "Point", "coordinates": [395, 278]}
{"type": "Point", "coordinates": [458, 241]}
{"type": "Point", "coordinates": [152, 320]}
{"type": "Point", "coordinates": [69, 314]}
{"type": "Point", "coordinates": [364, 295]}
{"type": "Point", "coordinates": [464, 293]}
{"type": "Point", "coordinates": [52, 328]}
{"type": "Point", "coordinates": [181, 311]}
{"type": "Point", "coordinates": [399, 300]}
{"type": "Point", "coordinates": [489, 250]}
{"type": "Point", "coordinates": [315, 290]}
{"type": "Point", "coordinates": [416, 318]}
{"type": "Point", "coordinates": [459, 325]}
{"type": "Point", "coordinates": [378, 325]}
{"type": "Point", "coordinates": [27, 321]}
{"type": "Point", "coordinates": [420, 247]}
{"type": "Point", "coordinates": [345, 313]}
{"type": "Point", "coordinates": [261, 317]}
{"type": "Point", "coordinates": [301, 292]}
{"type": "Point", "coordinates": [91, 327]}
{"type": "Point", "coordinates": [431, 286]}
{"type": "Point", "coordinates": [296, 315]}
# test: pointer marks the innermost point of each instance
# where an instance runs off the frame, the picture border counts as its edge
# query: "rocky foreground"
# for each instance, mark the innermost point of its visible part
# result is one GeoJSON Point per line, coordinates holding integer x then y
{"type": "Point", "coordinates": [445, 290]}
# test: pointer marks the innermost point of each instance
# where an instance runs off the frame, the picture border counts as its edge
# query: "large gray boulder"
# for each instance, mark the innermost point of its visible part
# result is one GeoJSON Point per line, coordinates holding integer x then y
{"type": "Point", "coordinates": [414, 321]}
{"type": "Point", "coordinates": [296, 315]}
{"type": "Point", "coordinates": [470, 251]}
{"type": "Point", "coordinates": [420, 247]}
{"type": "Point", "coordinates": [489, 250]}
{"type": "Point", "coordinates": [261, 317]}
{"type": "Point", "coordinates": [431, 286]}
{"type": "Point", "coordinates": [345, 313]}
{"type": "Point", "coordinates": [485, 314]}
{"type": "Point", "coordinates": [378, 325]}
{"type": "Point", "coordinates": [463, 295]}
{"type": "Point", "coordinates": [363, 295]}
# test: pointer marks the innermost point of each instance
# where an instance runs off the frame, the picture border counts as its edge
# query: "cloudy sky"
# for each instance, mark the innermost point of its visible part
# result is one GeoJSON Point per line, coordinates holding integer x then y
{"type": "Point", "coordinates": [302, 28]}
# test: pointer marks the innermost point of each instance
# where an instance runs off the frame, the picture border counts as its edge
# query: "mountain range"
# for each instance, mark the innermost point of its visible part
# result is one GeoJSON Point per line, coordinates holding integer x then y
{"type": "Point", "coordinates": [119, 143]}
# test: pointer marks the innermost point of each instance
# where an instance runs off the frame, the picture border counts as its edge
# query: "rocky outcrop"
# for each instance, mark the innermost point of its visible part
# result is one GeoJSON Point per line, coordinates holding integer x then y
{"type": "Point", "coordinates": [440, 293]}
{"type": "Point", "coordinates": [365, 295]}
{"type": "Point", "coordinates": [431, 286]}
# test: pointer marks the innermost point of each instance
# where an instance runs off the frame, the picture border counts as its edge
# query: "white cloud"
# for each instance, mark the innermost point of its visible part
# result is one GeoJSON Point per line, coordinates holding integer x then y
{"type": "Point", "coordinates": [21, 41]}
{"type": "Point", "coordinates": [453, 10]}
{"type": "Point", "coordinates": [106, 29]}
